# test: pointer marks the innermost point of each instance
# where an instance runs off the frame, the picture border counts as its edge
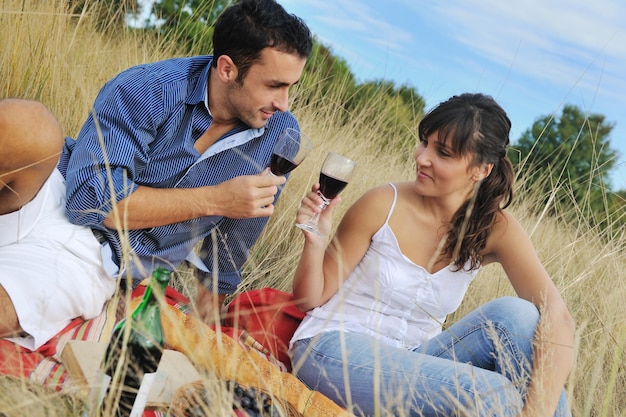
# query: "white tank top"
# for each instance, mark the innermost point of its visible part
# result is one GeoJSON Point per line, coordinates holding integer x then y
{"type": "Point", "coordinates": [390, 297]}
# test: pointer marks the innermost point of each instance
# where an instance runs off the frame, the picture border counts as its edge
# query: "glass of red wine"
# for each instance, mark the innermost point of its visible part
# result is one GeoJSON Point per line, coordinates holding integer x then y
{"type": "Point", "coordinates": [335, 174]}
{"type": "Point", "coordinates": [289, 151]}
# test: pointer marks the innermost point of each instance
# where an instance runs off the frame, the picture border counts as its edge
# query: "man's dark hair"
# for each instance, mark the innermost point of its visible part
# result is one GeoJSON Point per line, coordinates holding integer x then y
{"type": "Point", "coordinates": [244, 29]}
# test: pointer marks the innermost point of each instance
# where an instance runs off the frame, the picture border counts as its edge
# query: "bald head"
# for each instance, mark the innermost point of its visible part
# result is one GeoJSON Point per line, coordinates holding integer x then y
{"type": "Point", "coordinates": [31, 140]}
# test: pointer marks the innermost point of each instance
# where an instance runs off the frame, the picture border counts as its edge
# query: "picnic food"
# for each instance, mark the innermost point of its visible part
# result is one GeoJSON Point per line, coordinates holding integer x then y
{"type": "Point", "coordinates": [228, 360]}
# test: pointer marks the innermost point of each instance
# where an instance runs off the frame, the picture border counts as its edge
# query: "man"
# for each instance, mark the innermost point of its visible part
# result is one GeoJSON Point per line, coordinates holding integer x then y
{"type": "Point", "coordinates": [50, 270]}
{"type": "Point", "coordinates": [175, 152]}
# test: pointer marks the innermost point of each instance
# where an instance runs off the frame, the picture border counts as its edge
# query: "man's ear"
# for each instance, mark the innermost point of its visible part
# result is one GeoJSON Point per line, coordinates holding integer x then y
{"type": "Point", "coordinates": [227, 71]}
{"type": "Point", "coordinates": [482, 172]}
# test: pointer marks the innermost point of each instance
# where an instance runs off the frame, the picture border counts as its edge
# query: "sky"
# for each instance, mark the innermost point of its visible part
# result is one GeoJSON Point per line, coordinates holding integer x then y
{"type": "Point", "coordinates": [532, 56]}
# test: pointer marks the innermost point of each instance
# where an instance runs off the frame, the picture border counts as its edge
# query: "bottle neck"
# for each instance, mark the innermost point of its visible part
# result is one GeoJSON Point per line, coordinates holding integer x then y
{"type": "Point", "coordinates": [148, 299]}
{"type": "Point", "coordinates": [155, 290]}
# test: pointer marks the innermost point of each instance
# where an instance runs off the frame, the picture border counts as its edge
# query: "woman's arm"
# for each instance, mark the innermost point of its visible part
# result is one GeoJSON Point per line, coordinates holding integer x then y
{"type": "Point", "coordinates": [323, 266]}
{"type": "Point", "coordinates": [553, 353]}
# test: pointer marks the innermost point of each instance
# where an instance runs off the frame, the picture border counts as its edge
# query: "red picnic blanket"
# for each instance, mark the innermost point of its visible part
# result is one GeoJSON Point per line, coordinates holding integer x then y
{"type": "Point", "coordinates": [263, 319]}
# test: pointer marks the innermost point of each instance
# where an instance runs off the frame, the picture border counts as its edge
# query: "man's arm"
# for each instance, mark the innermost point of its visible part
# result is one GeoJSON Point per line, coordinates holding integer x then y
{"type": "Point", "coordinates": [242, 197]}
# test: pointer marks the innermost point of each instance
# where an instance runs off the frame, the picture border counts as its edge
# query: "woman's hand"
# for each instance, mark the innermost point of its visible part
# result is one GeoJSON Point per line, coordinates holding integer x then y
{"type": "Point", "coordinates": [312, 204]}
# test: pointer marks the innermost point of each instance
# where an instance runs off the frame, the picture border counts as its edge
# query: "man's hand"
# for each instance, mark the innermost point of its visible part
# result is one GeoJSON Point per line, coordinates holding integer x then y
{"type": "Point", "coordinates": [209, 305]}
{"type": "Point", "coordinates": [249, 196]}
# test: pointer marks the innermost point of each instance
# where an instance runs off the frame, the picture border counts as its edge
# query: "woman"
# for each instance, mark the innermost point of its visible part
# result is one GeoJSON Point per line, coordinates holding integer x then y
{"type": "Point", "coordinates": [401, 260]}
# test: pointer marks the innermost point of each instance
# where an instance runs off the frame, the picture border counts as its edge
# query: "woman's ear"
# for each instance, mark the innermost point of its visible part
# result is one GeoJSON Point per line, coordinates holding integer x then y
{"type": "Point", "coordinates": [482, 172]}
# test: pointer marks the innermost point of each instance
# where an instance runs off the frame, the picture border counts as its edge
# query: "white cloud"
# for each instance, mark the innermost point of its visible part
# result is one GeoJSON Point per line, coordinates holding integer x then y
{"type": "Point", "coordinates": [557, 41]}
{"type": "Point", "coordinates": [357, 31]}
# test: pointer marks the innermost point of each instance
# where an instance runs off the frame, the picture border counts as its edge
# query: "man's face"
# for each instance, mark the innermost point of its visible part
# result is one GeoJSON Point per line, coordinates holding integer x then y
{"type": "Point", "coordinates": [265, 88]}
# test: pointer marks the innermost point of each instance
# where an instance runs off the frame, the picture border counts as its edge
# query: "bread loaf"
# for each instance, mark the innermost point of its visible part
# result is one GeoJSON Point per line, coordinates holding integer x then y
{"type": "Point", "coordinates": [218, 353]}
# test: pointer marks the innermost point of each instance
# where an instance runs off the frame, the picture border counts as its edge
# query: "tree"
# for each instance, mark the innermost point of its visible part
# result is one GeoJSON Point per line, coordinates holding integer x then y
{"type": "Point", "coordinates": [568, 159]}
{"type": "Point", "coordinates": [189, 22]}
{"type": "Point", "coordinates": [394, 111]}
{"type": "Point", "coordinates": [325, 77]}
{"type": "Point", "coordinates": [109, 14]}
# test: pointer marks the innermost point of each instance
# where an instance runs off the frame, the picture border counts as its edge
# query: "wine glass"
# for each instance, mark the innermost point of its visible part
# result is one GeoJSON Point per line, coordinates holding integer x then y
{"type": "Point", "coordinates": [289, 151]}
{"type": "Point", "coordinates": [335, 174]}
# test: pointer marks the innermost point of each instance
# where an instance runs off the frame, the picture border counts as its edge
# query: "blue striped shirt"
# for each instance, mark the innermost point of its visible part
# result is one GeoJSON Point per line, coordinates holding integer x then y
{"type": "Point", "coordinates": [149, 117]}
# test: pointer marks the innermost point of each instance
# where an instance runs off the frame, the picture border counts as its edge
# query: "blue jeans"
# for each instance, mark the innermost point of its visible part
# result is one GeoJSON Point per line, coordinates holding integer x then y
{"type": "Point", "coordinates": [479, 366]}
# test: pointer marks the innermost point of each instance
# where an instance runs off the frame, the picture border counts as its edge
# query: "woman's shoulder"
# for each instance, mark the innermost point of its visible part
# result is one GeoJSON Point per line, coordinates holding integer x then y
{"type": "Point", "coordinates": [388, 197]}
{"type": "Point", "coordinates": [506, 233]}
{"type": "Point", "coordinates": [505, 223]}
{"type": "Point", "coordinates": [373, 206]}
{"type": "Point", "coordinates": [383, 196]}
{"type": "Point", "coordinates": [374, 194]}
{"type": "Point", "coordinates": [389, 189]}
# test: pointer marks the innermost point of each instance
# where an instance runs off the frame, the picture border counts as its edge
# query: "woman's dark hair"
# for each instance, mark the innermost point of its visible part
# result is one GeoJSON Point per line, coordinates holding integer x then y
{"type": "Point", "coordinates": [244, 29]}
{"type": "Point", "coordinates": [474, 125]}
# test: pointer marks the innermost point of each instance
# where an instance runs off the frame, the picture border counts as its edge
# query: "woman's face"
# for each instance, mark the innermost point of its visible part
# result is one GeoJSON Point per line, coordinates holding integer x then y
{"type": "Point", "coordinates": [441, 172]}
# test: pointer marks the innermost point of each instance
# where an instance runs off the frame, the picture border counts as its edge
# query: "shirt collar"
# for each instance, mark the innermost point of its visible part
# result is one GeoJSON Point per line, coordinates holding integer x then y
{"type": "Point", "coordinates": [206, 91]}
{"type": "Point", "coordinates": [200, 90]}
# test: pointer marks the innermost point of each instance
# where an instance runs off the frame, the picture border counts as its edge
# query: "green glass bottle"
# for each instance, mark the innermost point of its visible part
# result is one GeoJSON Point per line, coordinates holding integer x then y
{"type": "Point", "coordinates": [143, 349]}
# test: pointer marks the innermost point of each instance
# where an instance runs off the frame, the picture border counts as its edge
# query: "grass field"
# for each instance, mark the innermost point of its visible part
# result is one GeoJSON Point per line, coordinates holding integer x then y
{"type": "Point", "coordinates": [62, 60]}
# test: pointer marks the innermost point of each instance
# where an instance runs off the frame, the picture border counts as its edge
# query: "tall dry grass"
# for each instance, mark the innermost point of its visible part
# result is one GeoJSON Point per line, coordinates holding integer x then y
{"type": "Point", "coordinates": [60, 59]}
